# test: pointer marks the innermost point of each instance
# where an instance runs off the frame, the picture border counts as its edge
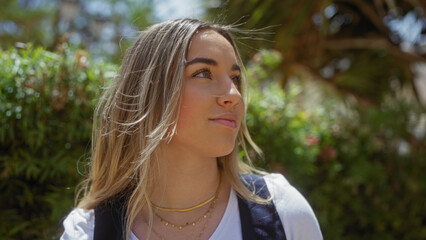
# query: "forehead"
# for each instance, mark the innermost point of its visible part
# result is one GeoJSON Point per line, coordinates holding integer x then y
{"type": "Point", "coordinates": [211, 44]}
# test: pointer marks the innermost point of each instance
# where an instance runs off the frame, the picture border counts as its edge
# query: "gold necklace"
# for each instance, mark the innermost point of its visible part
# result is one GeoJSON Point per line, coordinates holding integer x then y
{"type": "Point", "coordinates": [193, 223]}
{"type": "Point", "coordinates": [158, 235]}
{"type": "Point", "coordinates": [204, 227]}
{"type": "Point", "coordinates": [191, 208]}
{"type": "Point", "coordinates": [205, 216]}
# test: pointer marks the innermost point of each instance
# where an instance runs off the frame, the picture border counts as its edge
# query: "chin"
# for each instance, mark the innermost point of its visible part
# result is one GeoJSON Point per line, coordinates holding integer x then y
{"type": "Point", "coordinates": [225, 152]}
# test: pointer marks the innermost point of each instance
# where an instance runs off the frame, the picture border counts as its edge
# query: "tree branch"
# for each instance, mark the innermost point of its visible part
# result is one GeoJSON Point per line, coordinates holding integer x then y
{"type": "Point", "coordinates": [372, 43]}
{"type": "Point", "coordinates": [417, 3]}
{"type": "Point", "coordinates": [369, 13]}
{"type": "Point", "coordinates": [379, 8]}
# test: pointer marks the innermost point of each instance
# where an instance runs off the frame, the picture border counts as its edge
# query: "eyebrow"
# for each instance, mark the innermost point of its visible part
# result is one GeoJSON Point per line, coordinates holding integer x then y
{"type": "Point", "coordinates": [208, 61]}
{"type": "Point", "coordinates": [235, 67]}
{"type": "Point", "coordinates": [212, 62]}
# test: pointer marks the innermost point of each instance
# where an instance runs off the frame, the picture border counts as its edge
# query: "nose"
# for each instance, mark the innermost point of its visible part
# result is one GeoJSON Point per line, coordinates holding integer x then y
{"type": "Point", "coordinates": [231, 97]}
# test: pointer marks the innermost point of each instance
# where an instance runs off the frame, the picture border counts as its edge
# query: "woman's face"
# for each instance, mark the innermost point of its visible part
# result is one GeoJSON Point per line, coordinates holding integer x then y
{"type": "Point", "coordinates": [212, 106]}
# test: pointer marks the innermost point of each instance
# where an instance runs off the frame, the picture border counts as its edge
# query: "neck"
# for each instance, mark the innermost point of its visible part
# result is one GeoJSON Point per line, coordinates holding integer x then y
{"type": "Point", "coordinates": [184, 179]}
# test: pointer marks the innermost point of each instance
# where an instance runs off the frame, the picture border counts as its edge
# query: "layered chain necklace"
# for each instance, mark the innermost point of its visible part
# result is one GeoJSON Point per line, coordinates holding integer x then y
{"type": "Point", "coordinates": [205, 216]}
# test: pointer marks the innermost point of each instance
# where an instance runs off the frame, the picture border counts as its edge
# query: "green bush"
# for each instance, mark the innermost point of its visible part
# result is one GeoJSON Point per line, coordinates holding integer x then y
{"type": "Point", "coordinates": [361, 167]}
{"type": "Point", "coordinates": [46, 105]}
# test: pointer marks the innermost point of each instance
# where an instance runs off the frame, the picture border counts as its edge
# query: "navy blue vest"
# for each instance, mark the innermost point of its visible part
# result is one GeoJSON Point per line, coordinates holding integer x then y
{"type": "Point", "coordinates": [258, 221]}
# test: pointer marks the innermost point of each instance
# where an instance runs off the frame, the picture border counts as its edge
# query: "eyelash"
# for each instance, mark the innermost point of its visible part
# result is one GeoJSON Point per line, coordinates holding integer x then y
{"type": "Point", "coordinates": [236, 78]}
{"type": "Point", "coordinates": [203, 70]}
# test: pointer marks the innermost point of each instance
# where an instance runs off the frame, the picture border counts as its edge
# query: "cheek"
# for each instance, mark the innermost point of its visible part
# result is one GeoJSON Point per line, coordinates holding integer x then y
{"type": "Point", "coordinates": [192, 107]}
{"type": "Point", "coordinates": [186, 114]}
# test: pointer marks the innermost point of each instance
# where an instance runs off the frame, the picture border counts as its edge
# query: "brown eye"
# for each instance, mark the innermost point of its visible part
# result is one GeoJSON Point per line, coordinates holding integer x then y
{"type": "Point", "coordinates": [203, 73]}
{"type": "Point", "coordinates": [237, 80]}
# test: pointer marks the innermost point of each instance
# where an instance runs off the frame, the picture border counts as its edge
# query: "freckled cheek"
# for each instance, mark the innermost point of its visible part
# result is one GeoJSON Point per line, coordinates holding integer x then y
{"type": "Point", "coordinates": [185, 116]}
{"type": "Point", "coordinates": [193, 110]}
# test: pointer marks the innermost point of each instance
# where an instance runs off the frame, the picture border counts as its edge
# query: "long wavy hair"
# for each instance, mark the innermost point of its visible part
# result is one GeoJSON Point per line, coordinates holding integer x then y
{"type": "Point", "coordinates": [139, 110]}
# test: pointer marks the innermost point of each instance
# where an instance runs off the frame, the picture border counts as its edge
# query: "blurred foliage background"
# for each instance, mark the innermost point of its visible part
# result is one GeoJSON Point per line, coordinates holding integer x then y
{"type": "Point", "coordinates": [338, 95]}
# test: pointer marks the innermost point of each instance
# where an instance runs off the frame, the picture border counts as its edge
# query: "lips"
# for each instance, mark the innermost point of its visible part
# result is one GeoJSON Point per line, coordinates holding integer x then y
{"type": "Point", "coordinates": [228, 120]}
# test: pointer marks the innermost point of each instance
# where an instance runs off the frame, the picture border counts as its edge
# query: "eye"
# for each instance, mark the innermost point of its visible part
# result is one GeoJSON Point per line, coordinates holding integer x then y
{"type": "Point", "coordinates": [203, 73]}
{"type": "Point", "coordinates": [237, 80]}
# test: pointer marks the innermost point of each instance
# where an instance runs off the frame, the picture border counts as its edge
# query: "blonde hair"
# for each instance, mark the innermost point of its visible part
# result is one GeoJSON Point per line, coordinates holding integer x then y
{"type": "Point", "coordinates": [140, 109]}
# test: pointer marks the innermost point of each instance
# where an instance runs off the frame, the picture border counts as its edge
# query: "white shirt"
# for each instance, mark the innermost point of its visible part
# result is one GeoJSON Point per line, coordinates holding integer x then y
{"type": "Point", "coordinates": [295, 213]}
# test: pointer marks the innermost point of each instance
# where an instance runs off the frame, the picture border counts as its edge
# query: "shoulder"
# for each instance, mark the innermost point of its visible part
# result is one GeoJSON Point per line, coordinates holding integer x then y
{"type": "Point", "coordinates": [295, 212]}
{"type": "Point", "coordinates": [79, 224]}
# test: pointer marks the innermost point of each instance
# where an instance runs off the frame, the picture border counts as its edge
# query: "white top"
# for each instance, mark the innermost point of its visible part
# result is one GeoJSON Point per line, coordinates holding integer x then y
{"type": "Point", "coordinates": [297, 216]}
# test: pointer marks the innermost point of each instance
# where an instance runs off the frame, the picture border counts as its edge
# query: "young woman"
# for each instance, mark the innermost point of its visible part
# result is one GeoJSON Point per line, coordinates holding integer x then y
{"type": "Point", "coordinates": [165, 149]}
